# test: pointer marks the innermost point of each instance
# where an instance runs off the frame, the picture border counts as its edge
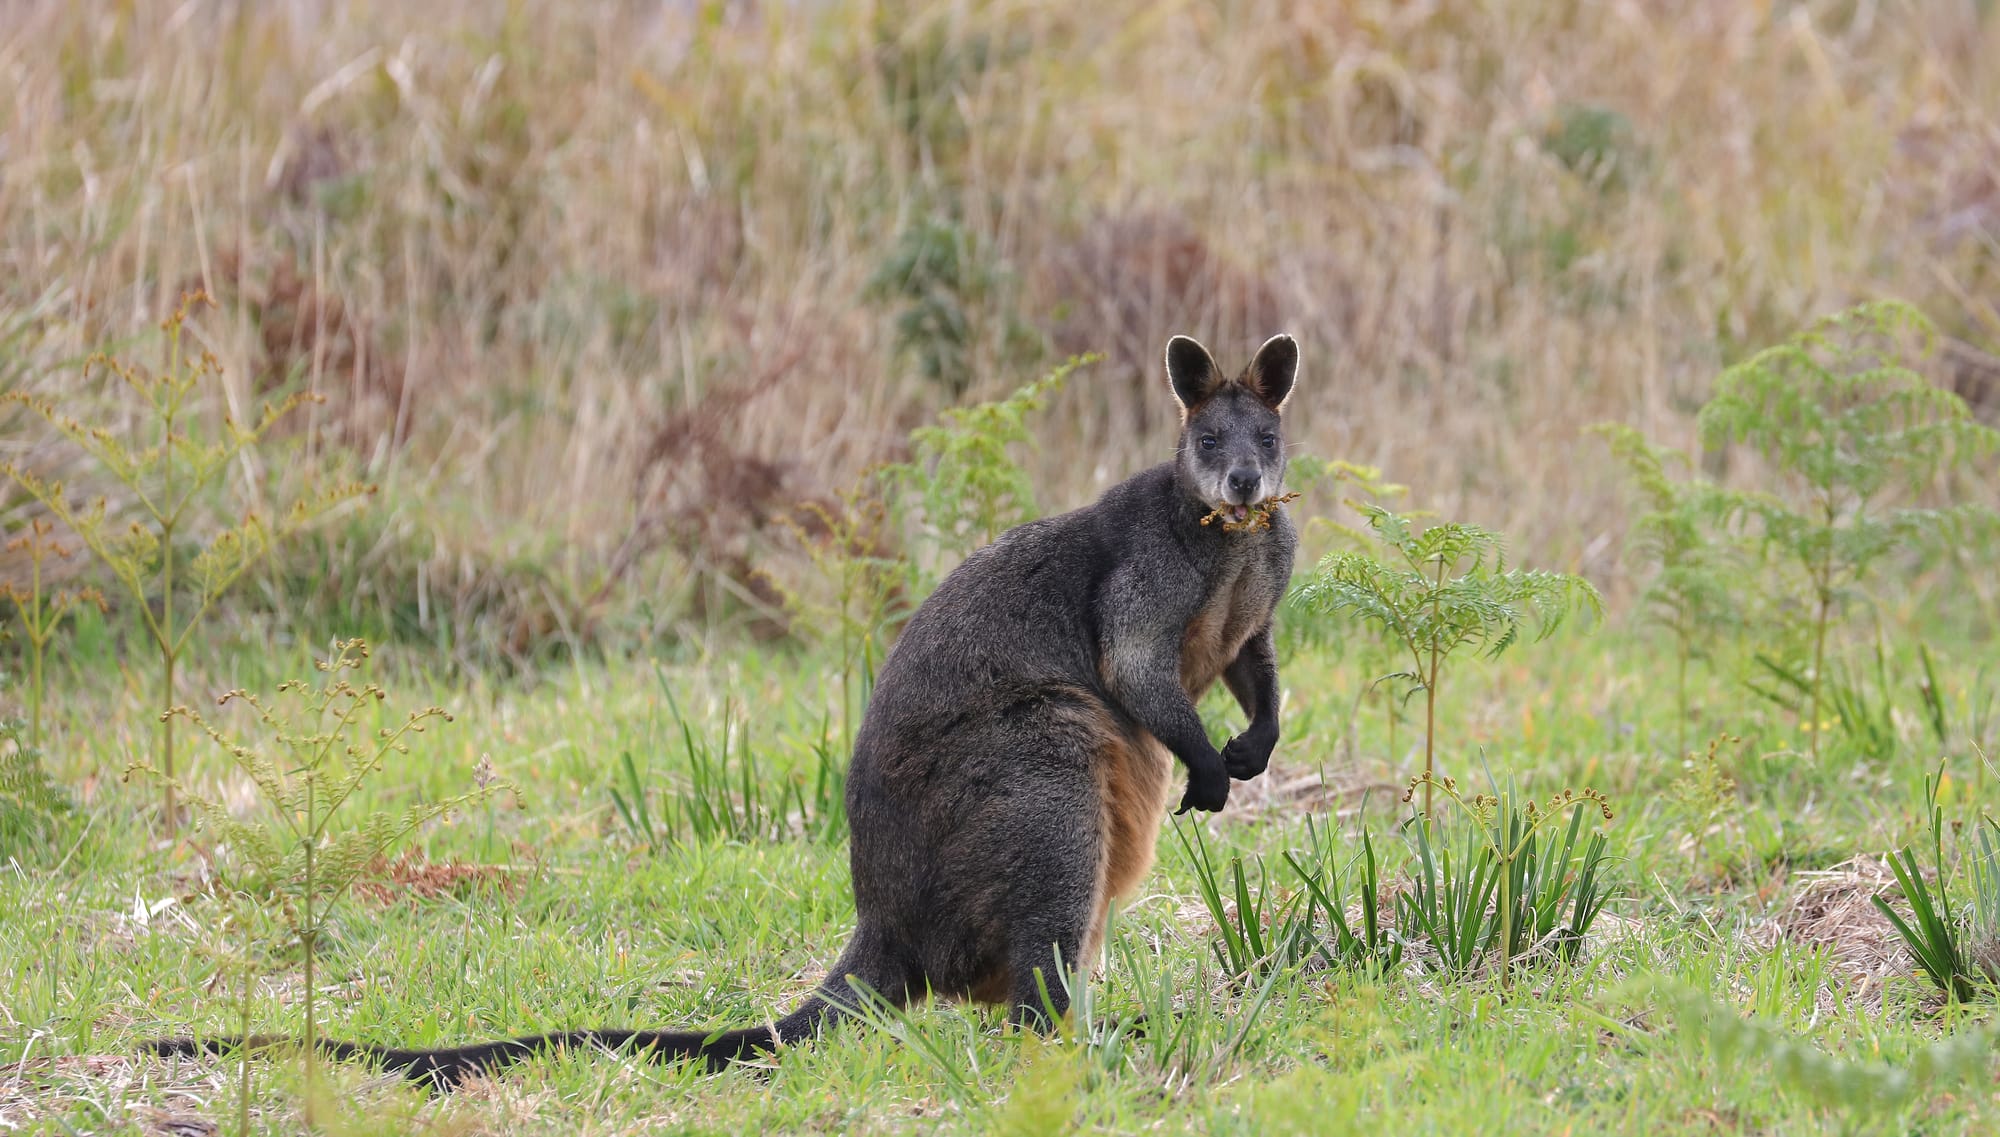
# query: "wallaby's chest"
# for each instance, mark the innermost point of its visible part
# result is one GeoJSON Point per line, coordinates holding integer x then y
{"type": "Point", "coordinates": [1242, 590]}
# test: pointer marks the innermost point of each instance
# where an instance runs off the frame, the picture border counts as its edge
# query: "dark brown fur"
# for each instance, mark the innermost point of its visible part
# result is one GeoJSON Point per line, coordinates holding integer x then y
{"type": "Point", "coordinates": [1017, 758]}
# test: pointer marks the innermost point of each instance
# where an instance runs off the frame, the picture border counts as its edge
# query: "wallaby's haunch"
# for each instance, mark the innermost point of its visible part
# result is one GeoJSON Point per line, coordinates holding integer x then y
{"type": "Point", "coordinates": [1016, 761]}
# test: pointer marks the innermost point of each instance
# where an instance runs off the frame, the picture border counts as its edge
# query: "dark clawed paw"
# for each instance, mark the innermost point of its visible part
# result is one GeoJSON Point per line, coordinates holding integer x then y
{"type": "Point", "coordinates": [1206, 793]}
{"type": "Point", "coordinates": [1246, 757]}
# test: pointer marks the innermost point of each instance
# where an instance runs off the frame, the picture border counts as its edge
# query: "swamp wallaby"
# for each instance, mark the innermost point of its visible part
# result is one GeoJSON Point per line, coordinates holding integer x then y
{"type": "Point", "coordinates": [1016, 761]}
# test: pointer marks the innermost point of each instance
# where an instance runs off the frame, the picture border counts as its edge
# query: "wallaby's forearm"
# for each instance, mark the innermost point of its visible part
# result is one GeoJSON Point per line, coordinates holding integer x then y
{"type": "Point", "coordinates": [1253, 678]}
{"type": "Point", "coordinates": [1147, 684]}
{"type": "Point", "coordinates": [1168, 716]}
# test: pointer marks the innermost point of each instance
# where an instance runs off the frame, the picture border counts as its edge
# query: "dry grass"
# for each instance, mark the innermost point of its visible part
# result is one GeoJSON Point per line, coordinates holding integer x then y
{"type": "Point", "coordinates": [516, 244]}
{"type": "Point", "coordinates": [1834, 909]}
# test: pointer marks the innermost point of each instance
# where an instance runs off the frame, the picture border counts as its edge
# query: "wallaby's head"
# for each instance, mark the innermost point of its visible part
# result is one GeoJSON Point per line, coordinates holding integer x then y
{"type": "Point", "coordinates": [1232, 449]}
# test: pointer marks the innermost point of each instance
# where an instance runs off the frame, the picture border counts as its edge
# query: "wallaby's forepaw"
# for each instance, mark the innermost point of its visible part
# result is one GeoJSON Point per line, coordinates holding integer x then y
{"type": "Point", "coordinates": [1207, 790]}
{"type": "Point", "coordinates": [1246, 756]}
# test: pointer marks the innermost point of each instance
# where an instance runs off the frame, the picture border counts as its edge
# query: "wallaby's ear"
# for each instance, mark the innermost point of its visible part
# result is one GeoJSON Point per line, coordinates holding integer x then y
{"type": "Point", "coordinates": [1191, 371]}
{"type": "Point", "coordinates": [1270, 376]}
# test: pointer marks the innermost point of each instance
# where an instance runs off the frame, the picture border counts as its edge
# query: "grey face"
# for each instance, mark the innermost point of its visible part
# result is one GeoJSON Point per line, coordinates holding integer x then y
{"type": "Point", "coordinates": [1232, 450]}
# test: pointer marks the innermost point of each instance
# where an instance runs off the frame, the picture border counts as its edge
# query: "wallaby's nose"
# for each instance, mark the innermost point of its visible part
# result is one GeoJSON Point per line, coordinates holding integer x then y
{"type": "Point", "coordinates": [1243, 483]}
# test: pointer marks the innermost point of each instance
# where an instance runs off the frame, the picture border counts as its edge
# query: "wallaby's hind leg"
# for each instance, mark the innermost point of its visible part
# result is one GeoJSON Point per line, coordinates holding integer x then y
{"type": "Point", "coordinates": [1051, 932]}
{"type": "Point", "coordinates": [871, 963]}
{"type": "Point", "coordinates": [1038, 983]}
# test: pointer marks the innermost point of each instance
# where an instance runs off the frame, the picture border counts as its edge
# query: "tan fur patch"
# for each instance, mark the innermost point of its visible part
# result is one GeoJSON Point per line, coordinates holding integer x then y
{"type": "Point", "coordinates": [1214, 637]}
{"type": "Point", "coordinates": [1134, 778]}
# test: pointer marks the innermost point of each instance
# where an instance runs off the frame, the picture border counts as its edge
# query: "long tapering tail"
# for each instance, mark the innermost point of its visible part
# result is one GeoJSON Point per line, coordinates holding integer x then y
{"type": "Point", "coordinates": [446, 1068]}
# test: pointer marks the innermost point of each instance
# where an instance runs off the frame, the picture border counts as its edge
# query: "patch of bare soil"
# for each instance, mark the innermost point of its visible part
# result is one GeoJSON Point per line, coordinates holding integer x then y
{"type": "Point", "coordinates": [1283, 790]}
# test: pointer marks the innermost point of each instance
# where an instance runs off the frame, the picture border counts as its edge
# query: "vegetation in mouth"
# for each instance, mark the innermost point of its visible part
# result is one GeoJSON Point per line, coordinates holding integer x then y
{"type": "Point", "coordinates": [1252, 517]}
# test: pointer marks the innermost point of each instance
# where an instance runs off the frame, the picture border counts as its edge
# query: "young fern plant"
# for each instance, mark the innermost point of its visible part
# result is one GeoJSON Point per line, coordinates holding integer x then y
{"type": "Point", "coordinates": [1690, 594]}
{"type": "Point", "coordinates": [1438, 590]}
{"type": "Point", "coordinates": [962, 478]}
{"type": "Point", "coordinates": [316, 746]}
{"type": "Point", "coordinates": [167, 479]}
{"type": "Point", "coordinates": [1852, 433]}
{"type": "Point", "coordinates": [31, 803]}
{"type": "Point", "coordinates": [41, 612]}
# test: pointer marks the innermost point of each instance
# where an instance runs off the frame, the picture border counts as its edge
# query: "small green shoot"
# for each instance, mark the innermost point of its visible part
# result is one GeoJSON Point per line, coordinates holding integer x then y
{"type": "Point", "coordinates": [1254, 933]}
{"type": "Point", "coordinates": [1365, 944]}
{"type": "Point", "coordinates": [1945, 945]}
{"type": "Point", "coordinates": [1441, 589]}
{"type": "Point", "coordinates": [314, 750]}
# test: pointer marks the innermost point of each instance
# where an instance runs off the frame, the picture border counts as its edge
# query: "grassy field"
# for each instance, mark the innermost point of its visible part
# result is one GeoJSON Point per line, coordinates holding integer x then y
{"type": "Point", "coordinates": [1756, 899]}
{"type": "Point", "coordinates": [622, 308]}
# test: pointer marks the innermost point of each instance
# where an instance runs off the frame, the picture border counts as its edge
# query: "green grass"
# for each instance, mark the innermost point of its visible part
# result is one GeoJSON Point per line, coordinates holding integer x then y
{"type": "Point", "coordinates": [110, 936]}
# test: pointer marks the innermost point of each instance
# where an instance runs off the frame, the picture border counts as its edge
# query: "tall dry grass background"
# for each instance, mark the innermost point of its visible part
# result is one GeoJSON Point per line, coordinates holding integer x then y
{"type": "Point", "coordinates": [600, 290]}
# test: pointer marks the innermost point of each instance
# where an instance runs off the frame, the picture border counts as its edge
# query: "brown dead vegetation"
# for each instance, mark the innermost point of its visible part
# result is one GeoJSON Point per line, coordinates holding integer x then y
{"type": "Point", "coordinates": [412, 877]}
{"type": "Point", "coordinates": [520, 247]}
{"type": "Point", "coordinates": [1834, 909]}
{"type": "Point", "coordinates": [308, 338]}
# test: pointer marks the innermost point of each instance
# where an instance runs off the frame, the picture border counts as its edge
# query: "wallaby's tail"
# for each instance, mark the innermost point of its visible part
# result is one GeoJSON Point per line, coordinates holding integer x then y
{"type": "Point", "coordinates": [447, 1067]}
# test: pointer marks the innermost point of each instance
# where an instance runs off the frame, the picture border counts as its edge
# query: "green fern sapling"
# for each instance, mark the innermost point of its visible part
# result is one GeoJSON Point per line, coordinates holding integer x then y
{"type": "Point", "coordinates": [1706, 792]}
{"type": "Point", "coordinates": [1438, 590]}
{"type": "Point", "coordinates": [316, 746]}
{"type": "Point", "coordinates": [962, 477]}
{"type": "Point", "coordinates": [1849, 429]}
{"type": "Point", "coordinates": [167, 479]}
{"type": "Point", "coordinates": [1323, 485]}
{"type": "Point", "coordinates": [1690, 594]}
{"type": "Point", "coordinates": [42, 612]}
{"type": "Point", "coordinates": [30, 801]}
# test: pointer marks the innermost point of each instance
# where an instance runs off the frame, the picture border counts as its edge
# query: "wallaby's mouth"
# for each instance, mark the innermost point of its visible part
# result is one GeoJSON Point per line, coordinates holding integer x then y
{"type": "Point", "coordinates": [1253, 517]}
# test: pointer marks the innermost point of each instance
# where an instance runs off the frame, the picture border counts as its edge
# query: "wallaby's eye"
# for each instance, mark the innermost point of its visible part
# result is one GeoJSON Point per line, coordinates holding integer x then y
{"type": "Point", "coordinates": [1270, 441]}
{"type": "Point", "coordinates": [1208, 442]}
